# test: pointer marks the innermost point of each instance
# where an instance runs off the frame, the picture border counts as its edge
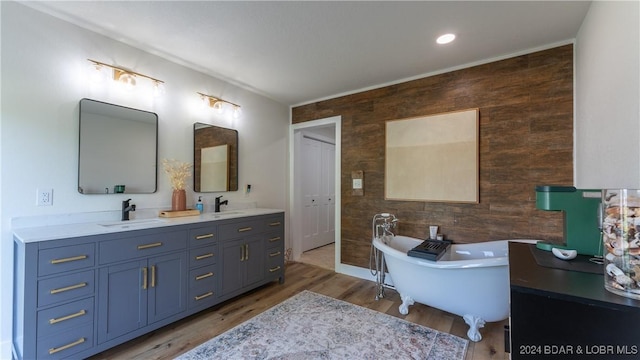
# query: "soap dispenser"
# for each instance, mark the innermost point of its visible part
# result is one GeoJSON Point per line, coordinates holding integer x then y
{"type": "Point", "coordinates": [199, 205]}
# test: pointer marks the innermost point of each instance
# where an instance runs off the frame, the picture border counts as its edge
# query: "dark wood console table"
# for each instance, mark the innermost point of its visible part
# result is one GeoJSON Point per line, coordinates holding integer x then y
{"type": "Point", "coordinates": [562, 314]}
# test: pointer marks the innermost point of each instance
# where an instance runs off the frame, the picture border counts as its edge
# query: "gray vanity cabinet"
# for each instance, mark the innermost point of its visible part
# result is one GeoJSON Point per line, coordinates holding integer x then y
{"type": "Point", "coordinates": [75, 297]}
{"type": "Point", "coordinates": [143, 291]}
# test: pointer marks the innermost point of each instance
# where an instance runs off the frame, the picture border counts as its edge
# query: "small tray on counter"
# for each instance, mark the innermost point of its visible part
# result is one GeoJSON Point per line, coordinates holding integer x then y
{"type": "Point", "coordinates": [172, 213]}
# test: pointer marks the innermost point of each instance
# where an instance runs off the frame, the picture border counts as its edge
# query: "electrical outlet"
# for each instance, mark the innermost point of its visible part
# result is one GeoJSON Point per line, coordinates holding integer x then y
{"type": "Point", "coordinates": [44, 197]}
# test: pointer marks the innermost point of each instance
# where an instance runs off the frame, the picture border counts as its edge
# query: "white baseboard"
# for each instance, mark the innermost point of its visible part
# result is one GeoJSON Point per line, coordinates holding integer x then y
{"type": "Point", "coordinates": [361, 273]}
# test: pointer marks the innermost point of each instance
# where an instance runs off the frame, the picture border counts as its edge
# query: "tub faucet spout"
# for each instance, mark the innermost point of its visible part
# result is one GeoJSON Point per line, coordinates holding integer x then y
{"type": "Point", "coordinates": [126, 208]}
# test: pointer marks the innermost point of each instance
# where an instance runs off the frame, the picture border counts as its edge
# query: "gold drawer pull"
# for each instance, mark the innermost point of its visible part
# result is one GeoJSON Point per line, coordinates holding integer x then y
{"type": "Point", "coordinates": [72, 287]}
{"type": "Point", "coordinates": [74, 258]}
{"type": "Point", "coordinates": [248, 228]}
{"type": "Point", "coordinates": [153, 276]}
{"type": "Point", "coordinates": [274, 269]}
{"type": "Point", "coordinates": [274, 239]}
{"type": "Point", "coordinates": [148, 246]}
{"type": "Point", "coordinates": [205, 236]}
{"type": "Point", "coordinates": [275, 254]}
{"type": "Point", "coordinates": [203, 296]}
{"type": "Point", "coordinates": [65, 347]}
{"type": "Point", "coordinates": [204, 276]}
{"type": "Point", "coordinates": [68, 317]}
{"type": "Point", "coordinates": [278, 223]}
{"type": "Point", "coordinates": [200, 257]}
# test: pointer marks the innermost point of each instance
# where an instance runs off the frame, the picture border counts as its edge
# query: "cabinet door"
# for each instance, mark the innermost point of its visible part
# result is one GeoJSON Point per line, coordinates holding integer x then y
{"type": "Point", "coordinates": [167, 277]}
{"type": "Point", "coordinates": [232, 262]}
{"type": "Point", "coordinates": [254, 262]}
{"type": "Point", "coordinates": [123, 299]}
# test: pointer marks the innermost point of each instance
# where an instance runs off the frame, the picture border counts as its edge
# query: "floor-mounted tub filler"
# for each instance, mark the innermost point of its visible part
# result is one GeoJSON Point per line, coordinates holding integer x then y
{"type": "Point", "coordinates": [469, 280]}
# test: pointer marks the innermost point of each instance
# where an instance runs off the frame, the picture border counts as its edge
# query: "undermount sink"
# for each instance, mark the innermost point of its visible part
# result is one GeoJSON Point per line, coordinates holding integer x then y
{"type": "Point", "coordinates": [225, 213]}
{"type": "Point", "coordinates": [129, 223]}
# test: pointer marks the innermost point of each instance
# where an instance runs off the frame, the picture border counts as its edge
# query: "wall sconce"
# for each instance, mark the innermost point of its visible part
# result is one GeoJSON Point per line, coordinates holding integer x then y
{"type": "Point", "coordinates": [219, 104]}
{"type": "Point", "coordinates": [124, 76]}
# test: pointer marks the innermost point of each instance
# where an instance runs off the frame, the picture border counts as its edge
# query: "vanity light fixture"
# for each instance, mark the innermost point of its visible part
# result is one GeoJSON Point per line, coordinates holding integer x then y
{"type": "Point", "coordinates": [218, 104]}
{"type": "Point", "coordinates": [445, 39]}
{"type": "Point", "coordinates": [124, 76]}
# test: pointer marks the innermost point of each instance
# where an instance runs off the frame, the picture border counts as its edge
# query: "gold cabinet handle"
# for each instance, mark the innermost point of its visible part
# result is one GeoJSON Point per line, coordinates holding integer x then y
{"type": "Point", "coordinates": [204, 276]}
{"type": "Point", "coordinates": [248, 228]}
{"type": "Point", "coordinates": [153, 276]}
{"type": "Point", "coordinates": [204, 236]}
{"type": "Point", "coordinates": [277, 223]}
{"type": "Point", "coordinates": [67, 317]}
{"type": "Point", "coordinates": [148, 246]}
{"type": "Point", "coordinates": [144, 278]}
{"type": "Point", "coordinates": [72, 287]}
{"type": "Point", "coordinates": [275, 254]}
{"type": "Point", "coordinates": [242, 253]}
{"type": "Point", "coordinates": [274, 269]}
{"type": "Point", "coordinates": [200, 297]}
{"type": "Point", "coordinates": [200, 257]}
{"type": "Point", "coordinates": [274, 239]}
{"type": "Point", "coordinates": [246, 246]}
{"type": "Point", "coordinates": [65, 347]}
{"type": "Point", "coordinates": [73, 258]}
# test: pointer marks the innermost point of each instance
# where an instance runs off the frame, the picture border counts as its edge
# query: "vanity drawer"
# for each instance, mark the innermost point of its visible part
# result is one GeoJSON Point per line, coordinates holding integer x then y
{"type": "Point", "coordinates": [203, 236]}
{"type": "Point", "coordinates": [66, 343]}
{"type": "Point", "coordinates": [274, 240]}
{"type": "Point", "coordinates": [66, 287]}
{"type": "Point", "coordinates": [64, 317]}
{"type": "Point", "coordinates": [202, 286]}
{"type": "Point", "coordinates": [240, 229]}
{"type": "Point", "coordinates": [203, 256]}
{"type": "Point", "coordinates": [67, 258]}
{"type": "Point", "coordinates": [274, 223]}
{"type": "Point", "coordinates": [141, 246]}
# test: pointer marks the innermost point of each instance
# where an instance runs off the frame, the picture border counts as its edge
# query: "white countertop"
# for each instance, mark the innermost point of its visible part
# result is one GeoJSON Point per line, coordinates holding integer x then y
{"type": "Point", "coordinates": [53, 232]}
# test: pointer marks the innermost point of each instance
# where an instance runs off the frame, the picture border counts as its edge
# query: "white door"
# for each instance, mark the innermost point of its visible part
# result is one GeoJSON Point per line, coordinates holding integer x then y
{"type": "Point", "coordinates": [318, 193]}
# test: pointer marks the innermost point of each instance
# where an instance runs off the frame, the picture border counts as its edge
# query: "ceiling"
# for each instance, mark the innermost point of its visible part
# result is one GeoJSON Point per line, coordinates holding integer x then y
{"type": "Point", "coordinates": [297, 52]}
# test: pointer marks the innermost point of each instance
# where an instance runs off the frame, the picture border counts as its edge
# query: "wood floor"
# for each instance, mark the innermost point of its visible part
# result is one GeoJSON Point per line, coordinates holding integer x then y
{"type": "Point", "coordinates": [177, 338]}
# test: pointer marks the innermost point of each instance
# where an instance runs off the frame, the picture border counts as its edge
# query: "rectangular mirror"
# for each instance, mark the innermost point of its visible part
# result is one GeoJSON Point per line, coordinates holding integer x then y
{"type": "Point", "coordinates": [215, 158]}
{"type": "Point", "coordinates": [118, 149]}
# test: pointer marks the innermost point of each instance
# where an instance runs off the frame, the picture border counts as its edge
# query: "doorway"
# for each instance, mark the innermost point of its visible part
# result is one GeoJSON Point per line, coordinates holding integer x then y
{"type": "Point", "coordinates": [315, 194]}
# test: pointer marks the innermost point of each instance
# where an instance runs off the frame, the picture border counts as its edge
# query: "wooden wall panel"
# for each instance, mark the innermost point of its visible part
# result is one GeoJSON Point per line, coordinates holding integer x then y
{"type": "Point", "coordinates": [526, 139]}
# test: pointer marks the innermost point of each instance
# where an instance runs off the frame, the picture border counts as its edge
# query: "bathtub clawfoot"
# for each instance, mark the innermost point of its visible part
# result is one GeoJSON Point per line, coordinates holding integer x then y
{"type": "Point", "coordinates": [475, 323]}
{"type": "Point", "coordinates": [406, 302]}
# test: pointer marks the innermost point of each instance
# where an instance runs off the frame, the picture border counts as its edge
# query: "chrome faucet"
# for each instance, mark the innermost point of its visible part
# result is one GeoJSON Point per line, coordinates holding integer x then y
{"type": "Point", "coordinates": [126, 208]}
{"type": "Point", "coordinates": [218, 203]}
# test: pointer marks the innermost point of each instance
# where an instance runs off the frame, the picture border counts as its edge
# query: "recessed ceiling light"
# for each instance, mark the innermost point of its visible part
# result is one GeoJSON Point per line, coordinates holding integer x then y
{"type": "Point", "coordinates": [445, 39]}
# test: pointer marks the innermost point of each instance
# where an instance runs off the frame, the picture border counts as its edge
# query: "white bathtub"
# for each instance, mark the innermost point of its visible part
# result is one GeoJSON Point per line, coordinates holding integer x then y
{"type": "Point", "coordinates": [469, 280]}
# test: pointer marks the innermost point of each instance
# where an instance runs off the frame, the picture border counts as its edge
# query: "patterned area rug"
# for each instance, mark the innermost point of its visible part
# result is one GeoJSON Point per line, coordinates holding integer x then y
{"type": "Point", "coordinates": [313, 326]}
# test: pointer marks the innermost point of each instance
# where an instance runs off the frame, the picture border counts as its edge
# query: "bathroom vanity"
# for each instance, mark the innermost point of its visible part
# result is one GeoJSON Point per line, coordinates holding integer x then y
{"type": "Point", "coordinates": [83, 288]}
{"type": "Point", "coordinates": [565, 314]}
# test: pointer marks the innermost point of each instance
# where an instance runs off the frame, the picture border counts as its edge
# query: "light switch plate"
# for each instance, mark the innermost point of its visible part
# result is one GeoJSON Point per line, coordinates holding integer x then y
{"type": "Point", "coordinates": [357, 183]}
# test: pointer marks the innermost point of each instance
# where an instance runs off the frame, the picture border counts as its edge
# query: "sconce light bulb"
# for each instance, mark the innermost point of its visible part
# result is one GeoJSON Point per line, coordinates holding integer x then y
{"type": "Point", "coordinates": [97, 73]}
{"type": "Point", "coordinates": [236, 112]}
{"type": "Point", "coordinates": [158, 89]}
{"type": "Point", "coordinates": [217, 106]}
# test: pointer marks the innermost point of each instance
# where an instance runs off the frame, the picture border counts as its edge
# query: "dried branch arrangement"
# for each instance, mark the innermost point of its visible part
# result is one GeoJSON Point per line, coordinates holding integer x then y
{"type": "Point", "coordinates": [178, 172]}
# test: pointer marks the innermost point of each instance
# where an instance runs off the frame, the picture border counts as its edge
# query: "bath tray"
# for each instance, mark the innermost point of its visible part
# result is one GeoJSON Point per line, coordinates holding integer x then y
{"type": "Point", "coordinates": [430, 249]}
{"type": "Point", "coordinates": [171, 213]}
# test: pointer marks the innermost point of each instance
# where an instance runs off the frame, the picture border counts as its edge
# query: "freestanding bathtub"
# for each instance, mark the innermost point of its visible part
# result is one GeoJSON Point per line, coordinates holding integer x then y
{"type": "Point", "coordinates": [469, 280]}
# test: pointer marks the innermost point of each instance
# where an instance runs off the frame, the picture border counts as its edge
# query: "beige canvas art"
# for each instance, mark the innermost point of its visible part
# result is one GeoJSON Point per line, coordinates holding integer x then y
{"type": "Point", "coordinates": [433, 158]}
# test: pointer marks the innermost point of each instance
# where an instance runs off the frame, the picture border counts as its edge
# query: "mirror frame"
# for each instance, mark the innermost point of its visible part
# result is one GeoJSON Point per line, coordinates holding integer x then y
{"type": "Point", "coordinates": [119, 150]}
{"type": "Point", "coordinates": [206, 135]}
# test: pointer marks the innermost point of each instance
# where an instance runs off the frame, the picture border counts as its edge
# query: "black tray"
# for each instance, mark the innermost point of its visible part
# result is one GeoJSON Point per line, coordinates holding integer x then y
{"type": "Point", "coordinates": [430, 249]}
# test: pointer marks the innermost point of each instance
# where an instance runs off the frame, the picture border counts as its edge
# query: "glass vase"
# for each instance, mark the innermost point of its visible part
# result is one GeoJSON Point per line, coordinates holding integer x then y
{"type": "Point", "coordinates": [621, 241]}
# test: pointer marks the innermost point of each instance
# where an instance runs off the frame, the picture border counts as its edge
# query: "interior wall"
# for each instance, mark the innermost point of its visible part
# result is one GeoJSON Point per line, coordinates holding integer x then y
{"type": "Point", "coordinates": [526, 139]}
{"type": "Point", "coordinates": [607, 93]}
{"type": "Point", "coordinates": [44, 76]}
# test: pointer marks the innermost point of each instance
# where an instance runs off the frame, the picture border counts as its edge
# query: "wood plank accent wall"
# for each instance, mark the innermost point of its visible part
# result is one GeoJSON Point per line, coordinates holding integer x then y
{"type": "Point", "coordinates": [526, 139]}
